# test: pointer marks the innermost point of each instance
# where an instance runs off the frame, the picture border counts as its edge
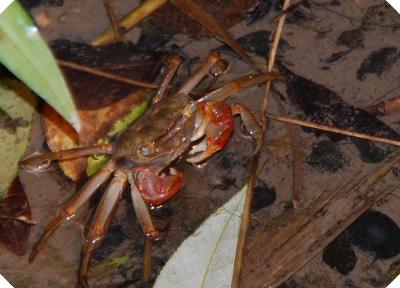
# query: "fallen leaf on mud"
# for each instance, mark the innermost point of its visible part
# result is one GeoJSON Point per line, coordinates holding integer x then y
{"type": "Point", "coordinates": [14, 233]}
{"type": "Point", "coordinates": [323, 106]}
{"type": "Point", "coordinates": [18, 102]}
{"type": "Point", "coordinates": [206, 258]}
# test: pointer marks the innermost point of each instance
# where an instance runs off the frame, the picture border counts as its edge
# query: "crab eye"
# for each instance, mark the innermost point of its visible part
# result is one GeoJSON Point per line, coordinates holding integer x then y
{"type": "Point", "coordinates": [144, 150]}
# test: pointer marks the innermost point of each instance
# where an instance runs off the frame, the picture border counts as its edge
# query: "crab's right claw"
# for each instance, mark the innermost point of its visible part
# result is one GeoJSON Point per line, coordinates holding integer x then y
{"type": "Point", "coordinates": [217, 125]}
{"type": "Point", "coordinates": [156, 189]}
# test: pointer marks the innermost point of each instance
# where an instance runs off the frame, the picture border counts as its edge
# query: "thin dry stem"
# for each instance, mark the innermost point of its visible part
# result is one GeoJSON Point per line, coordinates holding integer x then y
{"type": "Point", "coordinates": [113, 20]}
{"type": "Point", "coordinates": [297, 154]}
{"type": "Point", "coordinates": [244, 225]}
{"type": "Point", "coordinates": [333, 130]}
{"type": "Point", "coordinates": [104, 74]}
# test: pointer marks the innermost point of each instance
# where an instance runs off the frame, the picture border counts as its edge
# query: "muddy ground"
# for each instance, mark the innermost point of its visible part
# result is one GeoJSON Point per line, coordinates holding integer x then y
{"type": "Point", "coordinates": [311, 41]}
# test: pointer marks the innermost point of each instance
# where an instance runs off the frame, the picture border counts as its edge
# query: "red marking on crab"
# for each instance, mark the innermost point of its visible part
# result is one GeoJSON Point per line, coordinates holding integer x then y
{"type": "Point", "coordinates": [156, 189]}
{"type": "Point", "coordinates": [220, 128]}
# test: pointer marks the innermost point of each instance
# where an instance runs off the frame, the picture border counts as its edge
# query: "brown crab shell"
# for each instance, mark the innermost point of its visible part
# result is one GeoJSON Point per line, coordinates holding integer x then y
{"type": "Point", "coordinates": [100, 102]}
{"type": "Point", "coordinates": [60, 135]}
{"type": "Point", "coordinates": [227, 12]}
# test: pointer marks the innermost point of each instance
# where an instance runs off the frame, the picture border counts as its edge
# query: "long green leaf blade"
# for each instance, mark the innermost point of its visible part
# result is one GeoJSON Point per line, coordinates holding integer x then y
{"type": "Point", "coordinates": [25, 53]}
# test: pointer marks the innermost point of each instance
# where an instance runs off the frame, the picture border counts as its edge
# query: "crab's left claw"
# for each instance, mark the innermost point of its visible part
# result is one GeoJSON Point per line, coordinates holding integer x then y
{"type": "Point", "coordinates": [157, 189]}
{"type": "Point", "coordinates": [217, 125]}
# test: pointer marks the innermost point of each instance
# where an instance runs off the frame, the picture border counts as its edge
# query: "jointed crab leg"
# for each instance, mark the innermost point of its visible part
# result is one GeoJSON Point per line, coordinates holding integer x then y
{"type": "Point", "coordinates": [201, 71]}
{"type": "Point", "coordinates": [251, 124]}
{"type": "Point", "coordinates": [142, 212]}
{"type": "Point", "coordinates": [69, 209]}
{"type": "Point", "coordinates": [100, 222]}
{"type": "Point", "coordinates": [173, 63]}
{"type": "Point", "coordinates": [237, 85]}
{"type": "Point", "coordinates": [37, 162]}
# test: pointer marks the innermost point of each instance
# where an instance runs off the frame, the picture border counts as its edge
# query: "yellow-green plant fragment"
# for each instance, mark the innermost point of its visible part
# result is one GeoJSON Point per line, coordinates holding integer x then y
{"type": "Point", "coordinates": [97, 161]}
{"type": "Point", "coordinates": [18, 103]}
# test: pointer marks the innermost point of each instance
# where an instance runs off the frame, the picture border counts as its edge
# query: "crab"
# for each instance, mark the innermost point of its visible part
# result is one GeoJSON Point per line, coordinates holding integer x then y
{"type": "Point", "coordinates": [174, 126]}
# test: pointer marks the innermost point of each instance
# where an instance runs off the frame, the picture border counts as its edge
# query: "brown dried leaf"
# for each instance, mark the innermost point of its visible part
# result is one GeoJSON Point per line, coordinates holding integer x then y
{"type": "Point", "coordinates": [14, 233]}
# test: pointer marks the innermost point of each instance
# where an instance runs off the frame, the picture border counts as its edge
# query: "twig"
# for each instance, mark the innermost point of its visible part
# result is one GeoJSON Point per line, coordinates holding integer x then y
{"type": "Point", "coordinates": [104, 74]}
{"type": "Point", "coordinates": [244, 225]}
{"type": "Point", "coordinates": [385, 107]}
{"type": "Point", "coordinates": [147, 260]}
{"type": "Point", "coordinates": [297, 156]}
{"type": "Point", "coordinates": [129, 21]}
{"type": "Point", "coordinates": [286, 246]}
{"type": "Point", "coordinates": [113, 20]}
{"type": "Point", "coordinates": [333, 130]}
{"type": "Point", "coordinates": [297, 172]}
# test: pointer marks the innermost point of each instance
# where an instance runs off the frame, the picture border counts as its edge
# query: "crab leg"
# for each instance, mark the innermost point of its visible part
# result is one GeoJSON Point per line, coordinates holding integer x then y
{"type": "Point", "coordinates": [201, 71]}
{"type": "Point", "coordinates": [68, 210]}
{"type": "Point", "coordinates": [40, 161]}
{"type": "Point", "coordinates": [237, 85]}
{"type": "Point", "coordinates": [250, 122]}
{"type": "Point", "coordinates": [142, 212]}
{"type": "Point", "coordinates": [173, 63]}
{"type": "Point", "coordinates": [100, 222]}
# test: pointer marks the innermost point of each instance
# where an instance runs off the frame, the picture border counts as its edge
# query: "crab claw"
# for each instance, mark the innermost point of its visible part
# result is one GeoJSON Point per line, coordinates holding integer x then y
{"type": "Point", "coordinates": [157, 189]}
{"type": "Point", "coordinates": [219, 119]}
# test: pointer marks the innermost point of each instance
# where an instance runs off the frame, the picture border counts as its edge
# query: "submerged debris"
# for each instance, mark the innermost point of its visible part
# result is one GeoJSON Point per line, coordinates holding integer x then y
{"type": "Point", "coordinates": [323, 106]}
{"type": "Point", "coordinates": [376, 233]}
{"type": "Point", "coordinates": [255, 43]}
{"type": "Point", "coordinates": [352, 38]}
{"type": "Point", "coordinates": [291, 283]}
{"type": "Point", "coordinates": [29, 4]}
{"type": "Point", "coordinates": [264, 196]}
{"type": "Point", "coordinates": [336, 56]}
{"type": "Point", "coordinates": [112, 240]}
{"type": "Point", "coordinates": [381, 16]}
{"type": "Point", "coordinates": [9, 124]}
{"type": "Point", "coordinates": [227, 12]}
{"type": "Point", "coordinates": [326, 157]}
{"type": "Point", "coordinates": [258, 12]}
{"type": "Point", "coordinates": [14, 233]}
{"type": "Point", "coordinates": [153, 37]}
{"type": "Point", "coordinates": [339, 255]}
{"type": "Point", "coordinates": [378, 61]}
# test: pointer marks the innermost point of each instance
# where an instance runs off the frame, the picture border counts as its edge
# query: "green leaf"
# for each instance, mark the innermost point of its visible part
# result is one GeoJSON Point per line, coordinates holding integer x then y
{"type": "Point", "coordinates": [97, 161]}
{"type": "Point", "coordinates": [25, 53]}
{"type": "Point", "coordinates": [17, 104]}
{"type": "Point", "coordinates": [206, 258]}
